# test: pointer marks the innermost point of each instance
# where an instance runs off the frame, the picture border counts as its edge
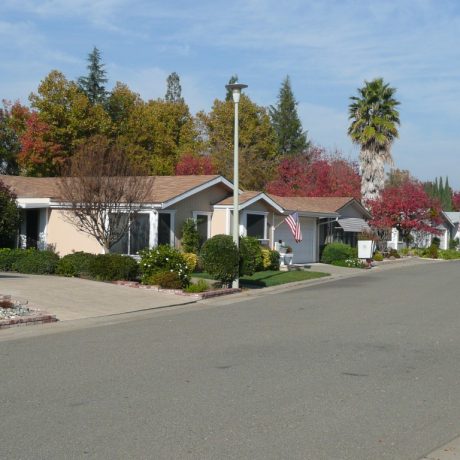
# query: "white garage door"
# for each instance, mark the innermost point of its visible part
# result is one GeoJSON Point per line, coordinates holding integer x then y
{"type": "Point", "coordinates": [304, 252]}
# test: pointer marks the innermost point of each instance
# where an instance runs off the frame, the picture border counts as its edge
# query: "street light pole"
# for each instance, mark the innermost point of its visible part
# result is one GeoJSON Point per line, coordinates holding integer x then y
{"type": "Point", "coordinates": [236, 88]}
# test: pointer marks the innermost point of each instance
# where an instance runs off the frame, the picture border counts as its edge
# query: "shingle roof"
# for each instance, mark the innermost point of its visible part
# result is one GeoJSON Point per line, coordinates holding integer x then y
{"type": "Point", "coordinates": [242, 198]}
{"type": "Point", "coordinates": [312, 204]}
{"type": "Point", "coordinates": [453, 216]}
{"type": "Point", "coordinates": [164, 187]}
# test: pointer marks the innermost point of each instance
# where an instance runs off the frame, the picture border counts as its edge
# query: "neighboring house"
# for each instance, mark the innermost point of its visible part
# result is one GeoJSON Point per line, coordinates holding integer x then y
{"type": "Point", "coordinates": [172, 199]}
{"type": "Point", "coordinates": [454, 219]}
{"type": "Point", "coordinates": [323, 220]}
{"type": "Point", "coordinates": [447, 230]}
{"type": "Point", "coordinates": [207, 199]}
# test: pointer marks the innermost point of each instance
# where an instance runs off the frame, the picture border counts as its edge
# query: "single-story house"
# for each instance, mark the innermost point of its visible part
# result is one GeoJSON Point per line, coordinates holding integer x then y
{"type": "Point", "coordinates": [448, 229]}
{"type": "Point", "coordinates": [207, 199]}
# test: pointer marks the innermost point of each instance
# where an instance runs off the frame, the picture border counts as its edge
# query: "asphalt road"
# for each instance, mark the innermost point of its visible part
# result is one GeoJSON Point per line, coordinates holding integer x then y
{"type": "Point", "coordinates": [361, 368]}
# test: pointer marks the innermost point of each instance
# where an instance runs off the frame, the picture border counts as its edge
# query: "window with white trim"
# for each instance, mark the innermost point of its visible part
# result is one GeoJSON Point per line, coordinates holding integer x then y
{"type": "Point", "coordinates": [136, 238]}
{"type": "Point", "coordinates": [256, 225]}
{"type": "Point", "coordinates": [203, 225]}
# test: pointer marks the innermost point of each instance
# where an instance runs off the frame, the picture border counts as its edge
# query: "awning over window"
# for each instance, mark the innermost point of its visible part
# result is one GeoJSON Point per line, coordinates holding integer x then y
{"type": "Point", "coordinates": [354, 224]}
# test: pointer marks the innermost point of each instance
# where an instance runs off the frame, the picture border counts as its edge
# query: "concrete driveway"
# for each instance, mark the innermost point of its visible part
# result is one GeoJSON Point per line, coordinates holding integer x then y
{"type": "Point", "coordinates": [75, 298]}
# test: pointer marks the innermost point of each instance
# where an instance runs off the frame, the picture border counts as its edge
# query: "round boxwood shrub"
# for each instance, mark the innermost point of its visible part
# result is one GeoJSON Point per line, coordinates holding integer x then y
{"type": "Point", "coordinates": [164, 258]}
{"type": "Point", "coordinates": [219, 257]}
{"type": "Point", "coordinates": [166, 280]}
{"type": "Point", "coordinates": [112, 267]}
{"type": "Point", "coordinates": [337, 251]}
{"type": "Point", "coordinates": [36, 262]}
{"type": "Point", "coordinates": [75, 264]}
{"type": "Point", "coordinates": [251, 259]}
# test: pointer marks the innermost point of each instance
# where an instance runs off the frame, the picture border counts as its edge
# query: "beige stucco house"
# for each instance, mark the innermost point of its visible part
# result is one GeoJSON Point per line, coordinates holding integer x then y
{"type": "Point", "coordinates": [172, 199]}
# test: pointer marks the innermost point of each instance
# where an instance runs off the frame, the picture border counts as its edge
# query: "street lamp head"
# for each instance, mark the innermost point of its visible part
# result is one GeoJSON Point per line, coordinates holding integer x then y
{"type": "Point", "coordinates": [236, 88]}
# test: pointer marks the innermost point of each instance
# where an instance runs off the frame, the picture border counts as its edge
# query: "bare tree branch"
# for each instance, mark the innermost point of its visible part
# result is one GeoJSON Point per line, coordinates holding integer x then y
{"type": "Point", "coordinates": [102, 190]}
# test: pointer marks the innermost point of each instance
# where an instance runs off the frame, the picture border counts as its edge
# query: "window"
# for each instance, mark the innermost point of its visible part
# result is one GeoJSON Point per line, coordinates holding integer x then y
{"type": "Point", "coordinates": [137, 236]}
{"type": "Point", "coordinates": [203, 225]}
{"type": "Point", "coordinates": [164, 228]}
{"type": "Point", "coordinates": [255, 226]}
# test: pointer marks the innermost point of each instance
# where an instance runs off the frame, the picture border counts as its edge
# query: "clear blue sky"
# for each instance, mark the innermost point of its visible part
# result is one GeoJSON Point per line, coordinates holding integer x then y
{"type": "Point", "coordinates": [327, 47]}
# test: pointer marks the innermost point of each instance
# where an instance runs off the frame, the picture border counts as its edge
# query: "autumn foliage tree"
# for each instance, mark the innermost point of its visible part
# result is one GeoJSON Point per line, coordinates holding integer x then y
{"type": "Point", "coordinates": [407, 208]}
{"type": "Point", "coordinates": [191, 164]}
{"type": "Point", "coordinates": [39, 155]}
{"type": "Point", "coordinates": [318, 173]}
{"type": "Point", "coordinates": [456, 201]}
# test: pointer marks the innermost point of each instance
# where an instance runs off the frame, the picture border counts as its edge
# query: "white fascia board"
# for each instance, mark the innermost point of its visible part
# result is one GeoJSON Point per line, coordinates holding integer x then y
{"type": "Point", "coordinates": [142, 207]}
{"type": "Point", "coordinates": [31, 203]}
{"type": "Point", "coordinates": [260, 196]}
{"type": "Point", "coordinates": [199, 188]}
{"type": "Point", "coordinates": [315, 214]}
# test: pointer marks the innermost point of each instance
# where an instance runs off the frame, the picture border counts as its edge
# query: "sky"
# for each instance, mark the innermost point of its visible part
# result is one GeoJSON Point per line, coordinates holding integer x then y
{"type": "Point", "coordinates": [327, 47]}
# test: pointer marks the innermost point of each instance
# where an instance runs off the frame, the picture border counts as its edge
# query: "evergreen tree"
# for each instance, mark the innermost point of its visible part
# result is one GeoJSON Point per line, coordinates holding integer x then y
{"type": "Point", "coordinates": [93, 84]}
{"type": "Point", "coordinates": [440, 191]}
{"type": "Point", "coordinates": [229, 94]}
{"type": "Point", "coordinates": [174, 89]}
{"type": "Point", "coordinates": [286, 123]}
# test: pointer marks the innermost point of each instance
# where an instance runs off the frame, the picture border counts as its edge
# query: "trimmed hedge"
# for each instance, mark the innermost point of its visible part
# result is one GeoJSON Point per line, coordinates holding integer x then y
{"type": "Point", "coordinates": [36, 262]}
{"type": "Point", "coordinates": [75, 264]}
{"type": "Point", "coordinates": [219, 257]}
{"type": "Point", "coordinates": [338, 251]}
{"type": "Point", "coordinates": [8, 257]}
{"type": "Point", "coordinates": [251, 259]}
{"type": "Point", "coordinates": [112, 267]}
{"type": "Point", "coordinates": [166, 280]}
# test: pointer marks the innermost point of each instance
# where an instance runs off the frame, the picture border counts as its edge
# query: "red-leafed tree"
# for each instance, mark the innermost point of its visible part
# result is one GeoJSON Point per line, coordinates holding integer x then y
{"type": "Point", "coordinates": [318, 173]}
{"type": "Point", "coordinates": [406, 207]}
{"type": "Point", "coordinates": [191, 164]}
{"type": "Point", "coordinates": [456, 201]}
{"type": "Point", "coordinates": [39, 156]}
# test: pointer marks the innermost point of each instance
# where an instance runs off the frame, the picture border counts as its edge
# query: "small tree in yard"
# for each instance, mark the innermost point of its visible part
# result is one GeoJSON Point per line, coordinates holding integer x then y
{"type": "Point", "coordinates": [407, 208]}
{"type": "Point", "coordinates": [190, 238]}
{"type": "Point", "coordinates": [9, 217]}
{"type": "Point", "coordinates": [102, 191]}
{"type": "Point", "coordinates": [219, 257]}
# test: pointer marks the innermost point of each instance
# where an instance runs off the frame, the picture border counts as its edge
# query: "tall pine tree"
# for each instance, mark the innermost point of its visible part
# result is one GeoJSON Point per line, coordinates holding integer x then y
{"type": "Point", "coordinates": [286, 123]}
{"type": "Point", "coordinates": [93, 84]}
{"type": "Point", "coordinates": [174, 89]}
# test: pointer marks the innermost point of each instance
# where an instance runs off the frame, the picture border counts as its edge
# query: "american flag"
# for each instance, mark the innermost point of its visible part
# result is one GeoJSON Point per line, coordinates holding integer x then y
{"type": "Point", "coordinates": [294, 225]}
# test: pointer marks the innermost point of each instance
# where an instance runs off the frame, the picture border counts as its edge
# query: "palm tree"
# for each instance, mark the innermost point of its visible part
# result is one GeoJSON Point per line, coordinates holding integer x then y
{"type": "Point", "coordinates": [374, 122]}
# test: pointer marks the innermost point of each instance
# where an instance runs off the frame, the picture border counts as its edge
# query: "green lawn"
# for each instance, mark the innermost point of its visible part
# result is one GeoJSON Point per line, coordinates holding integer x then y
{"type": "Point", "coordinates": [271, 277]}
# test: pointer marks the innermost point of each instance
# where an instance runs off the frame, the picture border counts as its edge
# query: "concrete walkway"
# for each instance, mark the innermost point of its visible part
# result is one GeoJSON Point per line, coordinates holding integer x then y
{"type": "Point", "coordinates": [75, 298]}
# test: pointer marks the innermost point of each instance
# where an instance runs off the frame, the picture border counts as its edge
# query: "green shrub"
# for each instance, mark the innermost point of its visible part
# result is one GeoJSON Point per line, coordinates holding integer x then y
{"type": "Point", "coordinates": [36, 262]}
{"type": "Point", "coordinates": [338, 251]}
{"type": "Point", "coordinates": [112, 267]}
{"type": "Point", "coordinates": [9, 256]}
{"type": "Point", "coordinates": [164, 258]}
{"type": "Point", "coordinates": [270, 259]}
{"type": "Point", "coordinates": [75, 264]}
{"type": "Point", "coordinates": [219, 257]}
{"type": "Point", "coordinates": [449, 254]}
{"type": "Point", "coordinates": [165, 279]}
{"type": "Point", "coordinates": [453, 243]}
{"type": "Point", "coordinates": [433, 251]}
{"type": "Point", "coordinates": [190, 239]}
{"type": "Point", "coordinates": [378, 257]}
{"type": "Point", "coordinates": [199, 286]}
{"type": "Point", "coordinates": [394, 253]}
{"type": "Point", "coordinates": [251, 260]}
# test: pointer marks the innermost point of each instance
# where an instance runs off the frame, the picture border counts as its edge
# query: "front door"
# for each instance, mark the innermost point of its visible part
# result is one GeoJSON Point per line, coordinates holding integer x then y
{"type": "Point", "coordinates": [32, 233]}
